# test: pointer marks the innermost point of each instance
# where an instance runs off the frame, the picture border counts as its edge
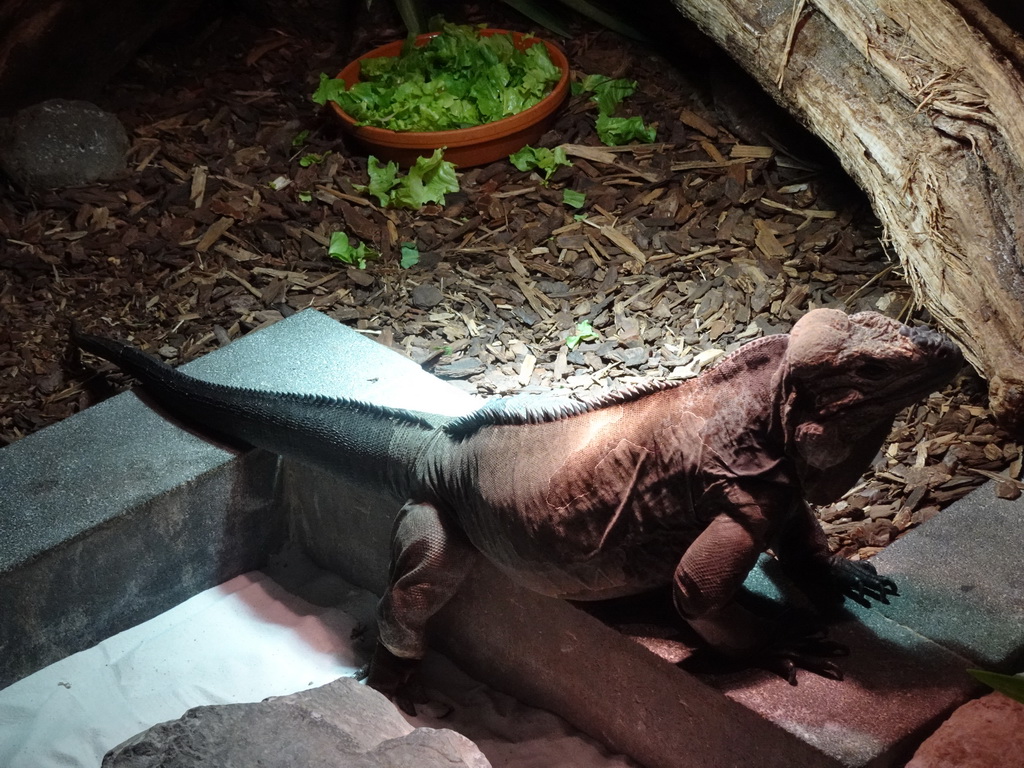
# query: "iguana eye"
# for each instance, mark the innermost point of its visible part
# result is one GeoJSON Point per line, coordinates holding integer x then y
{"type": "Point", "coordinates": [872, 371]}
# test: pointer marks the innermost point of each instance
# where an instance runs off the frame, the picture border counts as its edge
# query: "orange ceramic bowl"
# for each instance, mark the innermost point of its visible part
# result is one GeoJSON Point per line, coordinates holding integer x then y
{"type": "Point", "coordinates": [477, 145]}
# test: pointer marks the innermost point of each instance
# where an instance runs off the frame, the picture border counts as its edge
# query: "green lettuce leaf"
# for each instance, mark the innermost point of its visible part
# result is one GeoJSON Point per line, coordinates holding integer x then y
{"type": "Point", "coordinates": [410, 255]}
{"type": "Point", "coordinates": [540, 158]}
{"type": "Point", "coordinates": [427, 181]}
{"type": "Point", "coordinates": [584, 332]}
{"type": "Point", "coordinates": [616, 131]}
{"type": "Point", "coordinates": [608, 93]}
{"type": "Point", "coordinates": [328, 90]}
{"type": "Point", "coordinates": [349, 252]}
{"type": "Point", "coordinates": [574, 199]}
{"type": "Point", "coordinates": [457, 79]}
{"type": "Point", "coordinates": [383, 179]}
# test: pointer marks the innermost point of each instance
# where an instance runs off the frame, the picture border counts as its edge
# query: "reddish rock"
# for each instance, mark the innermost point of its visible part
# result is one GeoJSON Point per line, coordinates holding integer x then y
{"type": "Point", "coordinates": [984, 733]}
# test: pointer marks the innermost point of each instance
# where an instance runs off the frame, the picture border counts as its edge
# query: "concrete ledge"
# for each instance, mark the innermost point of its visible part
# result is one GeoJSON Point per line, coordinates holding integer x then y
{"type": "Point", "coordinates": [116, 514]}
{"type": "Point", "coordinates": [552, 655]}
{"type": "Point", "coordinates": [137, 564]}
{"type": "Point", "coordinates": [112, 517]}
{"type": "Point", "coordinates": [961, 578]}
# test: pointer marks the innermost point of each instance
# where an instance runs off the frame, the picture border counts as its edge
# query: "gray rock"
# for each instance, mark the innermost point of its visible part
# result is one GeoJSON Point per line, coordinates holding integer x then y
{"type": "Point", "coordinates": [984, 733]}
{"type": "Point", "coordinates": [342, 723]}
{"type": "Point", "coordinates": [526, 316]}
{"type": "Point", "coordinates": [632, 357]}
{"type": "Point", "coordinates": [426, 296]}
{"type": "Point", "coordinates": [61, 143]}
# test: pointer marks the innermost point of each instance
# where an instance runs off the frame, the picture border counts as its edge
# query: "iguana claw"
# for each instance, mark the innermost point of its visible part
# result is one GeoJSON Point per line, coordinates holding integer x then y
{"type": "Point", "coordinates": [396, 678]}
{"type": "Point", "coordinates": [860, 582]}
{"type": "Point", "coordinates": [812, 652]}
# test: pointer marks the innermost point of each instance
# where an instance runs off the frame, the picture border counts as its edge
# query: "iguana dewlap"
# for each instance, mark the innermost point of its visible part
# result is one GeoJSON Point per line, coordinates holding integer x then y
{"type": "Point", "coordinates": [680, 484]}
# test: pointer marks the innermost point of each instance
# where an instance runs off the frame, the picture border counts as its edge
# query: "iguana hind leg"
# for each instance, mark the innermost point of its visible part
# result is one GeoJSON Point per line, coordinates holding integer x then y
{"type": "Point", "coordinates": [430, 558]}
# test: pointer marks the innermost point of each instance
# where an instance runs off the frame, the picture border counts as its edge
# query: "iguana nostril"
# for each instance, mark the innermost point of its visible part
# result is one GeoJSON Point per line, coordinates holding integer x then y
{"type": "Point", "coordinates": [934, 344]}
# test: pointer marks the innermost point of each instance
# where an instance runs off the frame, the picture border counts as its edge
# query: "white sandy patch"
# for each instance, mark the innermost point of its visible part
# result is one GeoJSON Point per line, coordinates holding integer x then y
{"type": "Point", "coordinates": [243, 641]}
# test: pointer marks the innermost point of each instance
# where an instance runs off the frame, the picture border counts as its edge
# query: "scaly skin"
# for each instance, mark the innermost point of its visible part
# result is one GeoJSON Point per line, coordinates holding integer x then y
{"type": "Point", "coordinates": [684, 485]}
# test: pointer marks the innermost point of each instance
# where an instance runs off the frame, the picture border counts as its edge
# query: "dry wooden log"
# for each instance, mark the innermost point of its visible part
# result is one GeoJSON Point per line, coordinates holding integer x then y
{"type": "Point", "coordinates": [921, 102]}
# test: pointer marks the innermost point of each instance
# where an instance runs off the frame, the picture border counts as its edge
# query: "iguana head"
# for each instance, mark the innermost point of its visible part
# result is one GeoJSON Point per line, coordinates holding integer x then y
{"type": "Point", "coordinates": [845, 378]}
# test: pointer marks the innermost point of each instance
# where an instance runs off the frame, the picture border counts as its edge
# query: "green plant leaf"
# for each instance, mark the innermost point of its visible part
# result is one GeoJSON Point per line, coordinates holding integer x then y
{"type": "Point", "coordinates": [616, 131]}
{"type": "Point", "coordinates": [574, 199]}
{"type": "Point", "coordinates": [329, 89]}
{"type": "Point", "coordinates": [306, 197]}
{"type": "Point", "coordinates": [1008, 685]}
{"type": "Point", "coordinates": [312, 158]}
{"type": "Point", "coordinates": [300, 138]}
{"type": "Point", "coordinates": [411, 12]}
{"type": "Point", "coordinates": [383, 179]}
{"type": "Point", "coordinates": [584, 332]}
{"type": "Point", "coordinates": [348, 251]}
{"type": "Point", "coordinates": [608, 92]}
{"type": "Point", "coordinates": [410, 255]}
{"type": "Point", "coordinates": [429, 179]}
{"type": "Point", "coordinates": [540, 158]}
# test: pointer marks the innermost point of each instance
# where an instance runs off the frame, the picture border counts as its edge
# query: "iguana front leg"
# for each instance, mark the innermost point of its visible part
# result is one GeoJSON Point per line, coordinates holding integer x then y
{"type": "Point", "coordinates": [430, 558]}
{"type": "Point", "coordinates": [705, 585]}
{"type": "Point", "coordinates": [707, 579]}
{"type": "Point", "coordinates": [802, 550]}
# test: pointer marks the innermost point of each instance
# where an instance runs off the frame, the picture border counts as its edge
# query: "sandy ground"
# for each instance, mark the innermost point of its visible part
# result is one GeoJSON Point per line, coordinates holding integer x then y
{"type": "Point", "coordinates": [243, 641]}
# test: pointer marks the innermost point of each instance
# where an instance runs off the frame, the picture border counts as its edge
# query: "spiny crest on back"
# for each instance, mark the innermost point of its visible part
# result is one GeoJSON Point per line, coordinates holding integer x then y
{"type": "Point", "coordinates": [412, 418]}
{"type": "Point", "coordinates": [518, 410]}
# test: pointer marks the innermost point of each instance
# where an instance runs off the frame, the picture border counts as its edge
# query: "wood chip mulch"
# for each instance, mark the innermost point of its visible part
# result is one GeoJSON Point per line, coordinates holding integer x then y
{"type": "Point", "coordinates": [684, 250]}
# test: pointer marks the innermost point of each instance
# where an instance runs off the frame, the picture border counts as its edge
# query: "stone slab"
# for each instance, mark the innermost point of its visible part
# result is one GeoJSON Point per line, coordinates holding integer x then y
{"type": "Point", "coordinates": [111, 576]}
{"type": "Point", "coordinates": [961, 579]}
{"type": "Point", "coordinates": [897, 686]}
{"type": "Point", "coordinates": [113, 516]}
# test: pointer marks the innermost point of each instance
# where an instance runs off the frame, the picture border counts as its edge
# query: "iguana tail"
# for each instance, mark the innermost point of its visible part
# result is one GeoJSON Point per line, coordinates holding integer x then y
{"type": "Point", "coordinates": [366, 443]}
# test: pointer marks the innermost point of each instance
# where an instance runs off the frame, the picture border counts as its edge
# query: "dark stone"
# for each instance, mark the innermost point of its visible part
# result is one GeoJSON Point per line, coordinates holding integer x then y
{"type": "Point", "coordinates": [426, 296]}
{"type": "Point", "coordinates": [552, 287]}
{"type": "Point", "coordinates": [342, 723]}
{"type": "Point", "coordinates": [632, 357]}
{"type": "Point", "coordinates": [60, 143]}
